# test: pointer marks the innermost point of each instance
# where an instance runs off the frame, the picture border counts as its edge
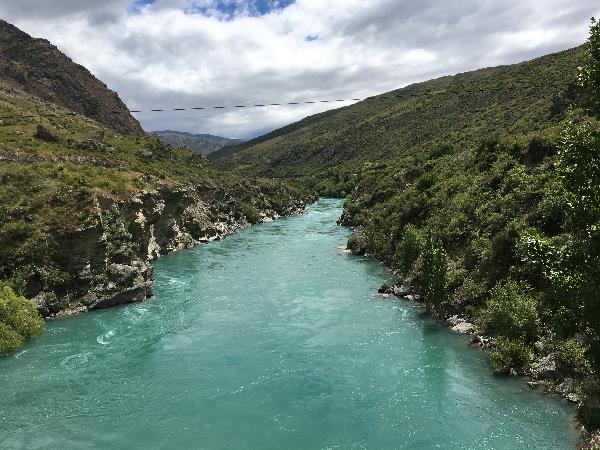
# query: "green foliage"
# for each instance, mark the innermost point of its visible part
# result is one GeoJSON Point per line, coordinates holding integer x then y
{"type": "Point", "coordinates": [19, 320]}
{"type": "Point", "coordinates": [589, 75]}
{"type": "Point", "coordinates": [579, 159]}
{"type": "Point", "coordinates": [510, 354]}
{"type": "Point", "coordinates": [434, 120]}
{"type": "Point", "coordinates": [251, 213]}
{"type": "Point", "coordinates": [352, 240]}
{"type": "Point", "coordinates": [588, 414]}
{"type": "Point", "coordinates": [572, 353]}
{"type": "Point", "coordinates": [408, 250]}
{"type": "Point", "coordinates": [511, 312]}
{"type": "Point", "coordinates": [434, 264]}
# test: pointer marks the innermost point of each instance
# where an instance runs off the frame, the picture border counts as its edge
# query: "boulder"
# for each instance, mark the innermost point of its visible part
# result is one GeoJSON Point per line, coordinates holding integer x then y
{"type": "Point", "coordinates": [400, 290]}
{"type": "Point", "coordinates": [547, 368]}
{"type": "Point", "coordinates": [47, 303]}
{"type": "Point", "coordinates": [385, 289]}
{"type": "Point", "coordinates": [464, 328]}
{"type": "Point", "coordinates": [455, 320]}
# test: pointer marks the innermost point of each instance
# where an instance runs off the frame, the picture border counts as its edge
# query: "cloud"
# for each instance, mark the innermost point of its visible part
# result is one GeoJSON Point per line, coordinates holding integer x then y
{"type": "Point", "coordinates": [190, 53]}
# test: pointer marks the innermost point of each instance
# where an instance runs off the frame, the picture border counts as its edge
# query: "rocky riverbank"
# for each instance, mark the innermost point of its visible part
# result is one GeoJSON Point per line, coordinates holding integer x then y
{"type": "Point", "coordinates": [109, 260]}
{"type": "Point", "coordinates": [547, 371]}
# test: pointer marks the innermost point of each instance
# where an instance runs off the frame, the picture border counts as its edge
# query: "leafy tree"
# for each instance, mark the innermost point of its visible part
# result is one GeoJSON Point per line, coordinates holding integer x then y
{"type": "Point", "coordinates": [434, 267]}
{"type": "Point", "coordinates": [579, 166]}
{"type": "Point", "coordinates": [408, 249]}
{"type": "Point", "coordinates": [589, 75]}
{"type": "Point", "coordinates": [510, 354]}
{"type": "Point", "coordinates": [19, 320]}
{"type": "Point", "coordinates": [511, 312]}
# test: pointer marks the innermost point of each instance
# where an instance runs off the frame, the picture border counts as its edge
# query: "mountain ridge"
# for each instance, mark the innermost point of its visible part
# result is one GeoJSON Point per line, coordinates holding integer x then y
{"type": "Point", "coordinates": [457, 109]}
{"type": "Point", "coordinates": [203, 143]}
{"type": "Point", "coordinates": [41, 69]}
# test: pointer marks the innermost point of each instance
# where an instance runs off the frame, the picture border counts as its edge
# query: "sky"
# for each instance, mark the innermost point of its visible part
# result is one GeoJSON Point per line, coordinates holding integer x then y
{"type": "Point", "coordinates": [160, 54]}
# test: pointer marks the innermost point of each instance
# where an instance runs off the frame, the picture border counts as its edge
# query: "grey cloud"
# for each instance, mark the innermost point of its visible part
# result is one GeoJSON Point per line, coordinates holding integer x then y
{"type": "Point", "coordinates": [381, 45]}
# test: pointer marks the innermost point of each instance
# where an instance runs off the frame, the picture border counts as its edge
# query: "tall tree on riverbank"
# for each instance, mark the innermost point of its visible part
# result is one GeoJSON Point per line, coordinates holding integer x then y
{"type": "Point", "coordinates": [579, 166]}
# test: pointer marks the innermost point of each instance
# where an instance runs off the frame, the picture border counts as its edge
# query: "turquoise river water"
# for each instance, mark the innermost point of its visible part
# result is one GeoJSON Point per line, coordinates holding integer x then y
{"type": "Point", "coordinates": [270, 339]}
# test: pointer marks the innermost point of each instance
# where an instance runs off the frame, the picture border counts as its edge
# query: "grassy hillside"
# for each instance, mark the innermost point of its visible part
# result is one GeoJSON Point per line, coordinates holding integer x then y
{"type": "Point", "coordinates": [68, 189]}
{"type": "Point", "coordinates": [518, 100]}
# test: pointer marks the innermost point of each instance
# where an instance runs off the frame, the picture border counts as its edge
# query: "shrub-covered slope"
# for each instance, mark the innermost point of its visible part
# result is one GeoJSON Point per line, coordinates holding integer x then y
{"type": "Point", "coordinates": [482, 192]}
{"type": "Point", "coordinates": [461, 110]}
{"type": "Point", "coordinates": [75, 200]}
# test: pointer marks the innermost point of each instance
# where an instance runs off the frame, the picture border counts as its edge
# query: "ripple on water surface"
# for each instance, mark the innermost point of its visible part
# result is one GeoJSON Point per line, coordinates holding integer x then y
{"type": "Point", "coordinates": [270, 339]}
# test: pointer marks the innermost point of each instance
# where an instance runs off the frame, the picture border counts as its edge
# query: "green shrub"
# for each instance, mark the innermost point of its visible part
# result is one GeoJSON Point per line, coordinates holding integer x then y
{"type": "Point", "coordinates": [19, 320]}
{"type": "Point", "coordinates": [572, 354]}
{"type": "Point", "coordinates": [252, 214]}
{"type": "Point", "coordinates": [588, 414]}
{"type": "Point", "coordinates": [434, 266]}
{"type": "Point", "coordinates": [511, 313]}
{"type": "Point", "coordinates": [408, 250]}
{"type": "Point", "coordinates": [352, 240]}
{"type": "Point", "coordinates": [510, 354]}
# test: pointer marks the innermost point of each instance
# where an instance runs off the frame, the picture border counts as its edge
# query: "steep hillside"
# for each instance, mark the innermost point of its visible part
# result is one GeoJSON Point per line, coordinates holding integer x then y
{"type": "Point", "coordinates": [39, 68]}
{"type": "Point", "coordinates": [459, 110]}
{"type": "Point", "coordinates": [203, 143]}
{"type": "Point", "coordinates": [83, 211]}
{"type": "Point", "coordinates": [482, 192]}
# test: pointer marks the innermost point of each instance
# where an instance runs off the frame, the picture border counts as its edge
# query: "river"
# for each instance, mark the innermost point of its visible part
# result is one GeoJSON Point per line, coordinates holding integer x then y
{"type": "Point", "coordinates": [270, 339]}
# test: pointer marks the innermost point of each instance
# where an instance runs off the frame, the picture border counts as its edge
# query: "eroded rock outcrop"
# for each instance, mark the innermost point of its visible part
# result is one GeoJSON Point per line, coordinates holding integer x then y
{"type": "Point", "coordinates": [109, 260]}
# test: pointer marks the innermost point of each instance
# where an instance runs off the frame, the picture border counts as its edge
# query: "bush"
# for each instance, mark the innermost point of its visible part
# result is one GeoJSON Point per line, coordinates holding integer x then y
{"type": "Point", "coordinates": [19, 320]}
{"type": "Point", "coordinates": [408, 250]}
{"type": "Point", "coordinates": [434, 266]}
{"type": "Point", "coordinates": [251, 213]}
{"type": "Point", "coordinates": [588, 414]}
{"type": "Point", "coordinates": [572, 354]}
{"type": "Point", "coordinates": [511, 313]}
{"type": "Point", "coordinates": [510, 354]}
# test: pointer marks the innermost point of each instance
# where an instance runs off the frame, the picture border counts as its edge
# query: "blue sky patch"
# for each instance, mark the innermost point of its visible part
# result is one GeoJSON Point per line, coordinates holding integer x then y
{"type": "Point", "coordinates": [228, 8]}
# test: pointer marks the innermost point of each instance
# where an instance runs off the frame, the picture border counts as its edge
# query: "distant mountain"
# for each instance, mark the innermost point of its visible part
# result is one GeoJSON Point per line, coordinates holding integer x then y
{"type": "Point", "coordinates": [203, 143]}
{"type": "Point", "coordinates": [39, 68]}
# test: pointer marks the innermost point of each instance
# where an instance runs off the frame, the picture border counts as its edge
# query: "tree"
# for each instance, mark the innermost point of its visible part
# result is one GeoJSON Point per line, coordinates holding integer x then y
{"type": "Point", "coordinates": [579, 168]}
{"type": "Point", "coordinates": [589, 75]}
{"type": "Point", "coordinates": [434, 268]}
{"type": "Point", "coordinates": [19, 320]}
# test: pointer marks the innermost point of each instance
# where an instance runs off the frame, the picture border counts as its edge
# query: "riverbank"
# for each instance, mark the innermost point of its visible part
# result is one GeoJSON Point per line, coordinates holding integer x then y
{"type": "Point", "coordinates": [109, 260]}
{"type": "Point", "coordinates": [267, 339]}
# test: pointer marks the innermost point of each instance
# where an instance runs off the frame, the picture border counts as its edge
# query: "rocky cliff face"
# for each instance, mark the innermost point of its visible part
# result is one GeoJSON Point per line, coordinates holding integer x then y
{"type": "Point", "coordinates": [109, 261]}
{"type": "Point", "coordinates": [39, 68]}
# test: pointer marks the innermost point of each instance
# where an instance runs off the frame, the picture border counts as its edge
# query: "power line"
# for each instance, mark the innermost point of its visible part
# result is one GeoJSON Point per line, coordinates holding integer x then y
{"type": "Point", "coordinates": [399, 96]}
{"type": "Point", "coordinates": [258, 105]}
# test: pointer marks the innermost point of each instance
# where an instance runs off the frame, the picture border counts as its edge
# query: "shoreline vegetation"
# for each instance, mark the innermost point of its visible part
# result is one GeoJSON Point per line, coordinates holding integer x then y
{"type": "Point", "coordinates": [502, 243]}
{"type": "Point", "coordinates": [491, 223]}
